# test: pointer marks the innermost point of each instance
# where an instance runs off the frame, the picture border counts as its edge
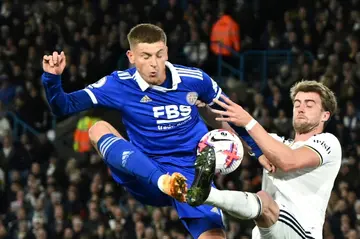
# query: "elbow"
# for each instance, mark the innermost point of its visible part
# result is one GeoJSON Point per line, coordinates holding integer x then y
{"type": "Point", "coordinates": [57, 111]}
{"type": "Point", "coordinates": [286, 165]}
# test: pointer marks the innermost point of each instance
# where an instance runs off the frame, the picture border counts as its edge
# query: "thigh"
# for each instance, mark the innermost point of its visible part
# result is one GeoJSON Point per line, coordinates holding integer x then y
{"type": "Point", "coordinates": [197, 226]}
{"type": "Point", "coordinates": [139, 187]}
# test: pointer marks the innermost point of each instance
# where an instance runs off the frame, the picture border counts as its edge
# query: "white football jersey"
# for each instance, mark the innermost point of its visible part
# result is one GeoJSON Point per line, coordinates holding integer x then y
{"type": "Point", "coordinates": [306, 192]}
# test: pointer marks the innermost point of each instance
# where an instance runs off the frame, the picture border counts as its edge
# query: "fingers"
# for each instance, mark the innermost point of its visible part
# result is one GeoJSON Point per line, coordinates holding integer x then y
{"type": "Point", "coordinates": [266, 164]}
{"type": "Point", "coordinates": [227, 100]}
{"type": "Point", "coordinates": [222, 104]}
{"type": "Point", "coordinates": [221, 112]}
{"type": "Point", "coordinates": [62, 57]}
{"type": "Point", "coordinates": [200, 104]}
{"type": "Point", "coordinates": [273, 169]}
{"type": "Point", "coordinates": [46, 58]}
{"type": "Point", "coordinates": [223, 119]}
{"type": "Point", "coordinates": [55, 57]}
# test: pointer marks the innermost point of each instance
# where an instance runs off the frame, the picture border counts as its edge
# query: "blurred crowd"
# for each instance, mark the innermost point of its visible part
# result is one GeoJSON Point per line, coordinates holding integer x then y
{"type": "Point", "coordinates": [44, 195]}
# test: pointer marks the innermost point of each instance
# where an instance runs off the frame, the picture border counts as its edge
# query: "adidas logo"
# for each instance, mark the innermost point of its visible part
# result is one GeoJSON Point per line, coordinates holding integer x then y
{"type": "Point", "coordinates": [145, 99]}
{"type": "Point", "coordinates": [125, 156]}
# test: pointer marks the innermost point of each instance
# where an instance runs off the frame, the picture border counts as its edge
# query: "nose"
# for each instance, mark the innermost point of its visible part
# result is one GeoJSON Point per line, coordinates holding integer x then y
{"type": "Point", "coordinates": [153, 62]}
{"type": "Point", "coordinates": [301, 108]}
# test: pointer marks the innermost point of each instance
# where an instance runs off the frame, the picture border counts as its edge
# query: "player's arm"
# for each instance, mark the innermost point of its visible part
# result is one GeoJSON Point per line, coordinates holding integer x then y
{"type": "Point", "coordinates": [311, 155]}
{"type": "Point", "coordinates": [280, 155]}
{"type": "Point", "coordinates": [208, 91]}
{"type": "Point", "coordinates": [62, 103]}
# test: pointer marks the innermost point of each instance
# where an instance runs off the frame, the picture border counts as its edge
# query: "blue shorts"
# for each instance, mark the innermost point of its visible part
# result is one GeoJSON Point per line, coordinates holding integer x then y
{"type": "Point", "coordinates": [196, 219]}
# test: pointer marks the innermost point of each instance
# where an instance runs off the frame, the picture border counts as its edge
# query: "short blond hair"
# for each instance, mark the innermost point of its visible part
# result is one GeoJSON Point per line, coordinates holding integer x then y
{"type": "Point", "coordinates": [146, 33]}
{"type": "Point", "coordinates": [328, 99]}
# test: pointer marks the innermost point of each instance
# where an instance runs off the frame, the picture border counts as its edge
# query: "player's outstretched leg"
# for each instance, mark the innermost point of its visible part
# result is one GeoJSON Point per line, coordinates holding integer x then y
{"type": "Point", "coordinates": [204, 174]}
{"type": "Point", "coordinates": [238, 204]}
{"type": "Point", "coordinates": [242, 205]}
{"type": "Point", "coordinates": [120, 155]}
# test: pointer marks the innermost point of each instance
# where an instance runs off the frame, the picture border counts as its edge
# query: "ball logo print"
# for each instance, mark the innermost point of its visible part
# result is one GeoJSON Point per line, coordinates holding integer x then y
{"type": "Point", "coordinates": [228, 148]}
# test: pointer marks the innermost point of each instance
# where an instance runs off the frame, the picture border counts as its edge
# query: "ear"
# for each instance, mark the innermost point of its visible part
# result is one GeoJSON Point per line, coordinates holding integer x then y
{"type": "Point", "coordinates": [166, 53]}
{"type": "Point", "coordinates": [130, 56]}
{"type": "Point", "coordinates": [326, 116]}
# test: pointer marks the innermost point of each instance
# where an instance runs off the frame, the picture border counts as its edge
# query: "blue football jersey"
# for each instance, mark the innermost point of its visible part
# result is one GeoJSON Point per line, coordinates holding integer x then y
{"type": "Point", "coordinates": [159, 121]}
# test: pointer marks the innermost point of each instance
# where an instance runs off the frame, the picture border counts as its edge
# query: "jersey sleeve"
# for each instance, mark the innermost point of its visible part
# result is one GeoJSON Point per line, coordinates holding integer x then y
{"type": "Point", "coordinates": [326, 145]}
{"type": "Point", "coordinates": [208, 89]}
{"type": "Point", "coordinates": [277, 137]}
{"type": "Point", "coordinates": [106, 91]}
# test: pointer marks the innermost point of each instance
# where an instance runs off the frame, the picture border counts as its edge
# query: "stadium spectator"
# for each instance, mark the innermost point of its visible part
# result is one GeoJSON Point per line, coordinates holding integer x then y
{"type": "Point", "coordinates": [93, 36]}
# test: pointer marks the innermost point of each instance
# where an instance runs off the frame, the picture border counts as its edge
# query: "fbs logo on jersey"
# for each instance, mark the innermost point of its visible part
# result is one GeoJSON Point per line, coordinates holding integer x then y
{"type": "Point", "coordinates": [145, 99]}
{"type": "Point", "coordinates": [170, 116]}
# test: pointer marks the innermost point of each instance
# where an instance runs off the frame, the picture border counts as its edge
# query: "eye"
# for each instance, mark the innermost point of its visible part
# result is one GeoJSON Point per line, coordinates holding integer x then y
{"type": "Point", "coordinates": [310, 104]}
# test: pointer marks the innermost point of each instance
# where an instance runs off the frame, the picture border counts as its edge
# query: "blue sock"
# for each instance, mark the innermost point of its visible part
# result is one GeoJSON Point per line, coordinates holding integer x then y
{"type": "Point", "coordinates": [121, 155]}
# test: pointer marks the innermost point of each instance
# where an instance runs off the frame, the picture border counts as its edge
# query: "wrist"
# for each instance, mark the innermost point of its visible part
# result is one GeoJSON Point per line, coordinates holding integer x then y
{"type": "Point", "coordinates": [49, 77]}
{"type": "Point", "coordinates": [250, 125]}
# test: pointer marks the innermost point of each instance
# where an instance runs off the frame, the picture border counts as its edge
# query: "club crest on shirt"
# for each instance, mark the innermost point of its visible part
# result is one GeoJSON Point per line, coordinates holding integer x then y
{"type": "Point", "coordinates": [99, 83]}
{"type": "Point", "coordinates": [191, 98]}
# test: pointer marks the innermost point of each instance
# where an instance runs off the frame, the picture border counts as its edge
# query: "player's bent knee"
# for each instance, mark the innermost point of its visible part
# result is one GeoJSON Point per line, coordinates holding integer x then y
{"type": "Point", "coordinates": [270, 210]}
{"type": "Point", "coordinates": [98, 130]}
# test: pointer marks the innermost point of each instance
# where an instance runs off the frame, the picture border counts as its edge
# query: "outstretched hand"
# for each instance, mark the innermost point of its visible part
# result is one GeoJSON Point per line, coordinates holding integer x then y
{"type": "Point", "coordinates": [55, 63]}
{"type": "Point", "coordinates": [232, 112]}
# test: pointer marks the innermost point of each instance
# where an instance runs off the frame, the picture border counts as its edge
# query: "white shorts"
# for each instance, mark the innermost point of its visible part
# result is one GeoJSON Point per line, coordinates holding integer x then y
{"type": "Point", "coordinates": [287, 227]}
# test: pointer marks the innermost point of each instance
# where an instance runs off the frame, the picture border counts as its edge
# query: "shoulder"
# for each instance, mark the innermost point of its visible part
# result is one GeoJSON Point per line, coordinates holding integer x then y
{"type": "Point", "coordinates": [186, 72]}
{"type": "Point", "coordinates": [327, 146]}
{"type": "Point", "coordinates": [127, 74]}
{"type": "Point", "coordinates": [327, 141]}
{"type": "Point", "coordinates": [115, 79]}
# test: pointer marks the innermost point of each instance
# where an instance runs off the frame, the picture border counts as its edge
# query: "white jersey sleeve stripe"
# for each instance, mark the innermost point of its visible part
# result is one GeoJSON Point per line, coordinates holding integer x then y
{"type": "Point", "coordinates": [92, 96]}
{"type": "Point", "coordinates": [317, 152]}
{"type": "Point", "coordinates": [217, 96]}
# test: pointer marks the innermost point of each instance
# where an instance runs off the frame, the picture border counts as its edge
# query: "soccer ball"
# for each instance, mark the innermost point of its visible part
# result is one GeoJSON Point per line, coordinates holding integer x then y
{"type": "Point", "coordinates": [228, 149]}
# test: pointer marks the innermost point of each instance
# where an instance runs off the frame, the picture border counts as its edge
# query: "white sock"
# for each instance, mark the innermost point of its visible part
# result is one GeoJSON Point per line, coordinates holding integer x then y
{"type": "Point", "coordinates": [242, 205]}
{"type": "Point", "coordinates": [160, 182]}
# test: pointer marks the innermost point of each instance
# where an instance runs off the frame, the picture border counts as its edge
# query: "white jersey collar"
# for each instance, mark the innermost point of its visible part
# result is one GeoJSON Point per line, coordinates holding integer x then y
{"type": "Point", "coordinates": [144, 85]}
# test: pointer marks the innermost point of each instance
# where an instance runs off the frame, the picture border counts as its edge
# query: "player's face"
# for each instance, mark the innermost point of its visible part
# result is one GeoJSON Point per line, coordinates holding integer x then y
{"type": "Point", "coordinates": [149, 60]}
{"type": "Point", "coordinates": [308, 113]}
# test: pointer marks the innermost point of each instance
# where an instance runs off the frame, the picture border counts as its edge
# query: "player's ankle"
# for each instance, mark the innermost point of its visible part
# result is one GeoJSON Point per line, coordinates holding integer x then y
{"type": "Point", "coordinates": [214, 197]}
{"type": "Point", "coordinates": [160, 182]}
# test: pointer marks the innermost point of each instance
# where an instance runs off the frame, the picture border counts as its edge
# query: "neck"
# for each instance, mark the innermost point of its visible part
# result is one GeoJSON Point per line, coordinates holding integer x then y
{"type": "Point", "coordinates": [306, 136]}
{"type": "Point", "coordinates": [162, 77]}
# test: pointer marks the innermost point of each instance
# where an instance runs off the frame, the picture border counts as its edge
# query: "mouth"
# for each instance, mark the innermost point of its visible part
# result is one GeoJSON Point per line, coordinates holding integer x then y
{"type": "Point", "coordinates": [153, 74]}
